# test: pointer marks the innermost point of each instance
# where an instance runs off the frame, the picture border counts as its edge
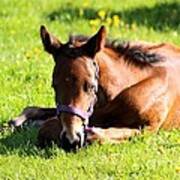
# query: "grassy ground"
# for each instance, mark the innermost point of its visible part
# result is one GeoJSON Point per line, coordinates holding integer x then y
{"type": "Point", "coordinates": [25, 78]}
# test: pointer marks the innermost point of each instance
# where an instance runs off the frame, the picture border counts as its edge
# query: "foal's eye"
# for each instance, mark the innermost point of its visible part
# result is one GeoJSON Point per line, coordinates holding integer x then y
{"type": "Point", "coordinates": [70, 80]}
{"type": "Point", "coordinates": [88, 87]}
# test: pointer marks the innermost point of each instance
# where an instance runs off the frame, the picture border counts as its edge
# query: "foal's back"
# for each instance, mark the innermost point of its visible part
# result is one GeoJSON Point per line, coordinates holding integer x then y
{"type": "Point", "coordinates": [171, 63]}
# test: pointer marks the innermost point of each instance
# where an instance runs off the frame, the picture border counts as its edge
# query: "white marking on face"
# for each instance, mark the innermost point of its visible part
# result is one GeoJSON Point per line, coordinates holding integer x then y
{"type": "Point", "coordinates": [72, 136]}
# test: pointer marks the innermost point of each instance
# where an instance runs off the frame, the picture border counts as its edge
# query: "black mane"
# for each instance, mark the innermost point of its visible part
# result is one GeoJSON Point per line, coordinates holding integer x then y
{"type": "Point", "coordinates": [133, 54]}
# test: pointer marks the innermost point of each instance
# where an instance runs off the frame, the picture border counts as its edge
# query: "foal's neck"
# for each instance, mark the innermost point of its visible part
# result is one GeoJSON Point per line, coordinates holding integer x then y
{"type": "Point", "coordinates": [116, 74]}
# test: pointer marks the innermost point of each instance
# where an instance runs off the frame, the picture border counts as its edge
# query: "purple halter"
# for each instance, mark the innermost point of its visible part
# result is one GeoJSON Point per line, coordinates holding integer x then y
{"type": "Point", "coordinates": [76, 111]}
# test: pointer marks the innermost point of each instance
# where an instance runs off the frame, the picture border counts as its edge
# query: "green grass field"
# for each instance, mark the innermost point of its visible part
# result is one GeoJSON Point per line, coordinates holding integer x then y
{"type": "Point", "coordinates": [25, 79]}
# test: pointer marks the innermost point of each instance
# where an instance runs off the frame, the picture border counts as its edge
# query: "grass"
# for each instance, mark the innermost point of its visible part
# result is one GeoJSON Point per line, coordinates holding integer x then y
{"type": "Point", "coordinates": [25, 79]}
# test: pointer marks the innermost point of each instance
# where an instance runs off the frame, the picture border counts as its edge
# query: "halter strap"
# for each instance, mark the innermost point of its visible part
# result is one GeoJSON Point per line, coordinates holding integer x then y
{"type": "Point", "coordinates": [74, 110]}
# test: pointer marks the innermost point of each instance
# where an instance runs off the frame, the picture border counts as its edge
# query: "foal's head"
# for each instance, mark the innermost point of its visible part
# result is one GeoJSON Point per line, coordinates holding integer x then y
{"type": "Point", "coordinates": [75, 83]}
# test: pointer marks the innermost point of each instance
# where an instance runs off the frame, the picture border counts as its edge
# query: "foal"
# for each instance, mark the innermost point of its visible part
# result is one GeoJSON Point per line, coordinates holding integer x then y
{"type": "Point", "coordinates": [108, 91]}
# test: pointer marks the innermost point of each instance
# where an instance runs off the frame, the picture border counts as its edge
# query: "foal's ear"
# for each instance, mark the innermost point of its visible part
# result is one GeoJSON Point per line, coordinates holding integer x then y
{"type": "Point", "coordinates": [50, 43]}
{"type": "Point", "coordinates": [96, 43]}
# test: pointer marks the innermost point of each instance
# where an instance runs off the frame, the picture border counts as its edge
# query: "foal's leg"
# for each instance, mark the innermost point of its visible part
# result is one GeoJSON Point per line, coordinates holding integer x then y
{"type": "Point", "coordinates": [50, 131]}
{"type": "Point", "coordinates": [146, 103]}
{"type": "Point", "coordinates": [36, 115]}
{"type": "Point", "coordinates": [112, 135]}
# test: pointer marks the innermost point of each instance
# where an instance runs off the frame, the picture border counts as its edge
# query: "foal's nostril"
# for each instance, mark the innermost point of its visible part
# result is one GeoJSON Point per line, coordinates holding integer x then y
{"type": "Point", "coordinates": [67, 146]}
{"type": "Point", "coordinates": [63, 137]}
{"type": "Point", "coordinates": [64, 142]}
{"type": "Point", "coordinates": [79, 138]}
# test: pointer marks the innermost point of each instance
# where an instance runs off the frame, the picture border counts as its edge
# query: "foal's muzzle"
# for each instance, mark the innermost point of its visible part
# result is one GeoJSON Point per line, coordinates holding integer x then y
{"type": "Point", "coordinates": [78, 139]}
{"type": "Point", "coordinates": [78, 143]}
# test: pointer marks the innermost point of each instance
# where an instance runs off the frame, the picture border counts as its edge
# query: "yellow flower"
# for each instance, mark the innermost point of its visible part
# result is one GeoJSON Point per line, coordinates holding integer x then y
{"type": "Point", "coordinates": [178, 169]}
{"type": "Point", "coordinates": [116, 20]}
{"type": "Point", "coordinates": [28, 55]}
{"type": "Point", "coordinates": [86, 3]}
{"type": "Point", "coordinates": [37, 51]}
{"type": "Point", "coordinates": [102, 14]}
{"type": "Point", "coordinates": [94, 22]}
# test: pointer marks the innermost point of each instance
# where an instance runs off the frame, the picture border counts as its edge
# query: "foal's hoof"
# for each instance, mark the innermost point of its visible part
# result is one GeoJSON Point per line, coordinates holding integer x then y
{"type": "Point", "coordinates": [14, 123]}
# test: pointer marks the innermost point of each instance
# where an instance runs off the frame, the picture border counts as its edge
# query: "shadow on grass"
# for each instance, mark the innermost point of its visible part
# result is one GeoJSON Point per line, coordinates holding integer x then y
{"type": "Point", "coordinates": [159, 17]}
{"type": "Point", "coordinates": [22, 143]}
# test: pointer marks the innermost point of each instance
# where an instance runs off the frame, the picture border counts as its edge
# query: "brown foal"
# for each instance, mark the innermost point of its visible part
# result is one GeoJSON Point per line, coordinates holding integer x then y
{"type": "Point", "coordinates": [108, 91]}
